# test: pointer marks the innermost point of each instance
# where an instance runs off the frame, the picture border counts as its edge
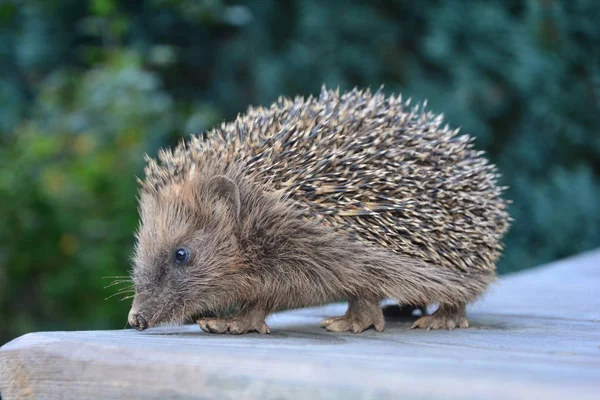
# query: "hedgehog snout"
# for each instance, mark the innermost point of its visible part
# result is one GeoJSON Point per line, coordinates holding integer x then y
{"type": "Point", "coordinates": [137, 320]}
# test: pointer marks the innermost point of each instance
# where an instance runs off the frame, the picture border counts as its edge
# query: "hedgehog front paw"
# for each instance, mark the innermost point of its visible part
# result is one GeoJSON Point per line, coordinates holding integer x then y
{"type": "Point", "coordinates": [232, 325]}
{"type": "Point", "coordinates": [235, 325]}
{"type": "Point", "coordinates": [446, 317]}
{"type": "Point", "coordinates": [361, 315]}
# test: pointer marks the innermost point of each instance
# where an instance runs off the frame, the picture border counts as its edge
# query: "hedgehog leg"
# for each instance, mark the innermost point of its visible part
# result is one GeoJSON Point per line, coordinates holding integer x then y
{"type": "Point", "coordinates": [249, 321]}
{"type": "Point", "coordinates": [361, 315]}
{"type": "Point", "coordinates": [445, 317]}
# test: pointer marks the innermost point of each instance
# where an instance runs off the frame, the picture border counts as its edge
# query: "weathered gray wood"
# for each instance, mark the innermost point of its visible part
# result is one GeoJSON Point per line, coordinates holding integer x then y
{"type": "Point", "coordinates": [536, 335]}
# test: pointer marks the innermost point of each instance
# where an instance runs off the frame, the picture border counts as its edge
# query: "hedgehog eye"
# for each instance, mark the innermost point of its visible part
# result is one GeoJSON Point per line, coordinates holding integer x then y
{"type": "Point", "coordinates": [182, 255]}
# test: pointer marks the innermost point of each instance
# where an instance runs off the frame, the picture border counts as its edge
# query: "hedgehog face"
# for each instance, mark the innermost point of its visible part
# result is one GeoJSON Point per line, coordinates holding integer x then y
{"type": "Point", "coordinates": [186, 249]}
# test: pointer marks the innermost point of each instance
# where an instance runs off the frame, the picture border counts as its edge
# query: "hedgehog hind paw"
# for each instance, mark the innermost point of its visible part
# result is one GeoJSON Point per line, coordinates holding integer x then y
{"type": "Point", "coordinates": [444, 318]}
{"type": "Point", "coordinates": [361, 315]}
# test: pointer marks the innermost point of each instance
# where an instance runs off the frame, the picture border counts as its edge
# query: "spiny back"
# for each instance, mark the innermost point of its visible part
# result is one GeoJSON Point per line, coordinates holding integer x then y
{"type": "Point", "coordinates": [367, 165]}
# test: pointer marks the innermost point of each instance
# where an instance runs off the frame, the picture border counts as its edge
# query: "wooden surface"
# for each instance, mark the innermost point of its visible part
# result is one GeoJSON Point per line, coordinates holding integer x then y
{"type": "Point", "coordinates": [536, 335]}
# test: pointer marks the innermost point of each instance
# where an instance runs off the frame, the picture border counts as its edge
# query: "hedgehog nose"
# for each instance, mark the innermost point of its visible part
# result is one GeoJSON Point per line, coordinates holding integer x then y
{"type": "Point", "coordinates": [136, 320]}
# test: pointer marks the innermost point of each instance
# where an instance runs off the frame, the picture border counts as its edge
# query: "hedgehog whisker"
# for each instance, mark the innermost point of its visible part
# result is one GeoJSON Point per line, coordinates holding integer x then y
{"type": "Point", "coordinates": [117, 294]}
{"type": "Point", "coordinates": [117, 283]}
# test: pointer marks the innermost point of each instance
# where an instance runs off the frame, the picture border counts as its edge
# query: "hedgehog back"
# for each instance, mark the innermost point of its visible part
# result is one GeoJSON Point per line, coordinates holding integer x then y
{"type": "Point", "coordinates": [369, 166]}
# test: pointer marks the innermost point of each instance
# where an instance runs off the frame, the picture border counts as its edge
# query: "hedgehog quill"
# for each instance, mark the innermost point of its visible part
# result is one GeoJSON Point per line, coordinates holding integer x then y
{"type": "Point", "coordinates": [356, 197]}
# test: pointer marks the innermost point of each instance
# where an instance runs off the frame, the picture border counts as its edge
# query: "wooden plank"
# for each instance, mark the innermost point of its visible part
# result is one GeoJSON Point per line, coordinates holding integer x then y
{"type": "Point", "coordinates": [536, 335]}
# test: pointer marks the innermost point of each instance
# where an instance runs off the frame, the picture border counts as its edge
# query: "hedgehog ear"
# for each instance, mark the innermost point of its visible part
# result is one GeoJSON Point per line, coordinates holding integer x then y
{"type": "Point", "coordinates": [226, 189]}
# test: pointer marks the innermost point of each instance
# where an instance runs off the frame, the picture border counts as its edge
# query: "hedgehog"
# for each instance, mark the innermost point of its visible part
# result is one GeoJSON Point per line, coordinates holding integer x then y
{"type": "Point", "coordinates": [357, 197]}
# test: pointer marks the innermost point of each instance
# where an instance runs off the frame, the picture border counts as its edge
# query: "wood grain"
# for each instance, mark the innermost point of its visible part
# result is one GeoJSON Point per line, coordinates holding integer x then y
{"type": "Point", "coordinates": [535, 335]}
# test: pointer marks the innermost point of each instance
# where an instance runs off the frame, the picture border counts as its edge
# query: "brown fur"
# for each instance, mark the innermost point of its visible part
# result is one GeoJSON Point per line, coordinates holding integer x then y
{"type": "Point", "coordinates": [269, 229]}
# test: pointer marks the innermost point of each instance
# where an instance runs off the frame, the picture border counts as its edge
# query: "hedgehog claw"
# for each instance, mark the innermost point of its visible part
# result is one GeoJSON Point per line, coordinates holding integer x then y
{"type": "Point", "coordinates": [236, 325]}
{"type": "Point", "coordinates": [445, 317]}
{"type": "Point", "coordinates": [361, 315]}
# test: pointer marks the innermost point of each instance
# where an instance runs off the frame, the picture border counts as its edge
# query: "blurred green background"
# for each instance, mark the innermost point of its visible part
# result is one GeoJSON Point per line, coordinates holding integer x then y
{"type": "Point", "coordinates": [87, 87]}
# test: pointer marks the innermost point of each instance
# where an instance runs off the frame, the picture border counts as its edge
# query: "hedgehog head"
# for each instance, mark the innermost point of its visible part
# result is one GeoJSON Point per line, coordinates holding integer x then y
{"type": "Point", "coordinates": [186, 248]}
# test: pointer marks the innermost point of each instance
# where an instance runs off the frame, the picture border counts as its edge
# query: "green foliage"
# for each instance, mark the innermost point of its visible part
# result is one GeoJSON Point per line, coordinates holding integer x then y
{"type": "Point", "coordinates": [88, 87]}
{"type": "Point", "coordinates": [67, 191]}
